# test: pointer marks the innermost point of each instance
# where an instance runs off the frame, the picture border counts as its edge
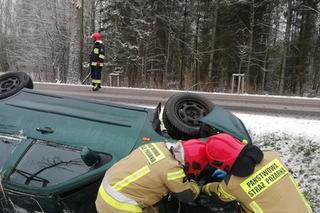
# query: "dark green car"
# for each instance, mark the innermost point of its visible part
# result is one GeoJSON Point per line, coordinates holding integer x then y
{"type": "Point", "coordinates": [54, 150]}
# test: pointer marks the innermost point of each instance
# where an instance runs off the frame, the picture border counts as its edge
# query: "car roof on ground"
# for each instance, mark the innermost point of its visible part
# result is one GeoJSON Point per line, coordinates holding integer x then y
{"type": "Point", "coordinates": [104, 127]}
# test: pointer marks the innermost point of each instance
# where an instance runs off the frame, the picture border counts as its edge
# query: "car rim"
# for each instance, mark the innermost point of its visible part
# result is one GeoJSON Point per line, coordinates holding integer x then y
{"type": "Point", "coordinates": [9, 83]}
{"type": "Point", "coordinates": [190, 112]}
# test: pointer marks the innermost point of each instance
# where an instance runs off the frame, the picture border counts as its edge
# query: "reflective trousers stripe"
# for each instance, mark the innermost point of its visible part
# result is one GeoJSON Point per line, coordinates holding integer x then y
{"type": "Point", "coordinates": [96, 81]}
{"type": "Point", "coordinates": [116, 204]}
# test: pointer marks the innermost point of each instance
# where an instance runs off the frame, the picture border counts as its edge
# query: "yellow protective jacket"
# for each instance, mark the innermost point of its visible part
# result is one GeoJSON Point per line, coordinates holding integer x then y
{"type": "Point", "coordinates": [270, 189]}
{"type": "Point", "coordinates": [142, 179]}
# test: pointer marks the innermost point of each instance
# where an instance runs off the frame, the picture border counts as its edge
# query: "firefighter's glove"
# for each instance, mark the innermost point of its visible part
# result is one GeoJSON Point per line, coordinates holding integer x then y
{"type": "Point", "coordinates": [195, 188]}
{"type": "Point", "coordinates": [206, 189]}
{"type": "Point", "coordinates": [218, 174]}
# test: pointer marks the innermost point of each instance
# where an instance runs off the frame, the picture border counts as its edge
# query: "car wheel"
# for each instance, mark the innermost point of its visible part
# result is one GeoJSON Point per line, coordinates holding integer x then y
{"type": "Point", "coordinates": [182, 114]}
{"type": "Point", "coordinates": [13, 82]}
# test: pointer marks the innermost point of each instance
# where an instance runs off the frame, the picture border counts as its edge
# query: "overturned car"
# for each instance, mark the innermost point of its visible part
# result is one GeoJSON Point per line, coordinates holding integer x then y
{"type": "Point", "coordinates": [54, 150]}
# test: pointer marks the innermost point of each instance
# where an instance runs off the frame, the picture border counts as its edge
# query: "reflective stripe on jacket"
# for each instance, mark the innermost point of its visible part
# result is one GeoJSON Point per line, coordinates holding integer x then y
{"type": "Point", "coordinates": [97, 54]}
{"type": "Point", "coordinates": [96, 64]}
{"type": "Point", "coordinates": [271, 188]}
{"type": "Point", "coordinates": [116, 199]}
{"type": "Point", "coordinates": [147, 175]}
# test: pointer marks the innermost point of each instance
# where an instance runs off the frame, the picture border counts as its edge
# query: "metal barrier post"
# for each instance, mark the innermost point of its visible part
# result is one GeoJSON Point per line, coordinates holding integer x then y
{"type": "Point", "coordinates": [232, 84]}
{"type": "Point", "coordinates": [117, 75]}
{"type": "Point", "coordinates": [240, 82]}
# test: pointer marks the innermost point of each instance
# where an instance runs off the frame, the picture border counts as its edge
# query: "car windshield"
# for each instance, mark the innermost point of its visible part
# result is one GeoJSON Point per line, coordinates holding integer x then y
{"type": "Point", "coordinates": [47, 164]}
{"type": "Point", "coordinates": [7, 146]}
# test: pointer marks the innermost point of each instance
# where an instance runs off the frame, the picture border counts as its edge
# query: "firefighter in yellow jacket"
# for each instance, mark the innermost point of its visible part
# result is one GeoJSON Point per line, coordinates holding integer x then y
{"type": "Point", "coordinates": [257, 180]}
{"type": "Point", "coordinates": [139, 181]}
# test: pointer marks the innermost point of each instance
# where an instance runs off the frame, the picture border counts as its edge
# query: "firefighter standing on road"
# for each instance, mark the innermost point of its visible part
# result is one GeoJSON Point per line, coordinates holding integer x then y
{"type": "Point", "coordinates": [97, 57]}
{"type": "Point", "coordinates": [139, 181]}
{"type": "Point", "coordinates": [257, 180]}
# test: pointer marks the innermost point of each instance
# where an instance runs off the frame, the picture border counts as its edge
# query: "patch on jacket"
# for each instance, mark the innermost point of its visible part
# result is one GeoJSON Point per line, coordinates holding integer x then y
{"type": "Point", "coordinates": [152, 153]}
{"type": "Point", "coordinates": [264, 178]}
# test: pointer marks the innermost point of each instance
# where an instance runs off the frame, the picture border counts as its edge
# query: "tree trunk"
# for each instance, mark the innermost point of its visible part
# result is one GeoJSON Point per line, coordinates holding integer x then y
{"type": "Point", "coordinates": [285, 49]}
{"type": "Point", "coordinates": [250, 47]}
{"type": "Point", "coordinates": [93, 17]}
{"type": "Point", "coordinates": [167, 58]}
{"type": "Point", "coordinates": [316, 66]}
{"type": "Point", "coordinates": [196, 73]}
{"type": "Point", "coordinates": [76, 47]}
{"type": "Point", "coordinates": [305, 45]}
{"type": "Point", "coordinates": [215, 4]}
{"type": "Point", "coordinates": [265, 66]}
{"type": "Point", "coordinates": [6, 15]}
{"type": "Point", "coordinates": [182, 47]}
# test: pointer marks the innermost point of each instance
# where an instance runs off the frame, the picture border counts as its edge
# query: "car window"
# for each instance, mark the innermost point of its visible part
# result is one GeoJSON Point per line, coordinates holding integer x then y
{"type": "Point", "coordinates": [46, 165]}
{"type": "Point", "coordinates": [7, 146]}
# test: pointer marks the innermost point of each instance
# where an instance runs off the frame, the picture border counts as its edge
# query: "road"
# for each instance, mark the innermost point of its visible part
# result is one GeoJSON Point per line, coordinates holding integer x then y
{"type": "Point", "coordinates": [275, 105]}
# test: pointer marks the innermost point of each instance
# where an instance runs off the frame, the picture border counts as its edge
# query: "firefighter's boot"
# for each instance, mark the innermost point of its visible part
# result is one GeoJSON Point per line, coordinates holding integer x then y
{"type": "Point", "coordinates": [95, 87]}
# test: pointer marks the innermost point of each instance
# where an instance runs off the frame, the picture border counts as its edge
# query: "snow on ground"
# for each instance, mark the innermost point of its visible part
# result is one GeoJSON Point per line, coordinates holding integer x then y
{"type": "Point", "coordinates": [298, 142]}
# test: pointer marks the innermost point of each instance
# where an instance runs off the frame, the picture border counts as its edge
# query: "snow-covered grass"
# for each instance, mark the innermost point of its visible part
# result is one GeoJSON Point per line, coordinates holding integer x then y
{"type": "Point", "coordinates": [298, 142]}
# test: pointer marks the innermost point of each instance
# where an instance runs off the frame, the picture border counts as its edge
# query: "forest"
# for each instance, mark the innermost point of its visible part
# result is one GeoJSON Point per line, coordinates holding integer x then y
{"type": "Point", "coordinates": [169, 44]}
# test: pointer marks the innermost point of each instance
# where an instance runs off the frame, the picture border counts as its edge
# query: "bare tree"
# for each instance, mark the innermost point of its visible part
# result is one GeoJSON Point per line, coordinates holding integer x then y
{"type": "Point", "coordinates": [76, 44]}
{"type": "Point", "coordinates": [215, 5]}
{"type": "Point", "coordinates": [285, 48]}
{"type": "Point", "coordinates": [6, 14]}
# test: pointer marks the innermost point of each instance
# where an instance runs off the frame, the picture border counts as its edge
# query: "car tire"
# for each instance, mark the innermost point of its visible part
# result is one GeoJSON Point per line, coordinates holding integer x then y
{"type": "Point", "coordinates": [13, 82]}
{"type": "Point", "coordinates": [182, 114]}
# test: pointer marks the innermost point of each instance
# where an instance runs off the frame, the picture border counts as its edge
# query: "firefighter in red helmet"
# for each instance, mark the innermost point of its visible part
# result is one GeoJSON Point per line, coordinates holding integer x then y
{"type": "Point", "coordinates": [97, 57]}
{"type": "Point", "coordinates": [139, 181]}
{"type": "Point", "coordinates": [258, 180]}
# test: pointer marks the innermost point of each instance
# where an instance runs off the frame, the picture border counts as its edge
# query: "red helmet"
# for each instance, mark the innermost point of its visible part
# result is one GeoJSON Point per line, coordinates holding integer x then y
{"type": "Point", "coordinates": [96, 36]}
{"type": "Point", "coordinates": [223, 150]}
{"type": "Point", "coordinates": [195, 158]}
